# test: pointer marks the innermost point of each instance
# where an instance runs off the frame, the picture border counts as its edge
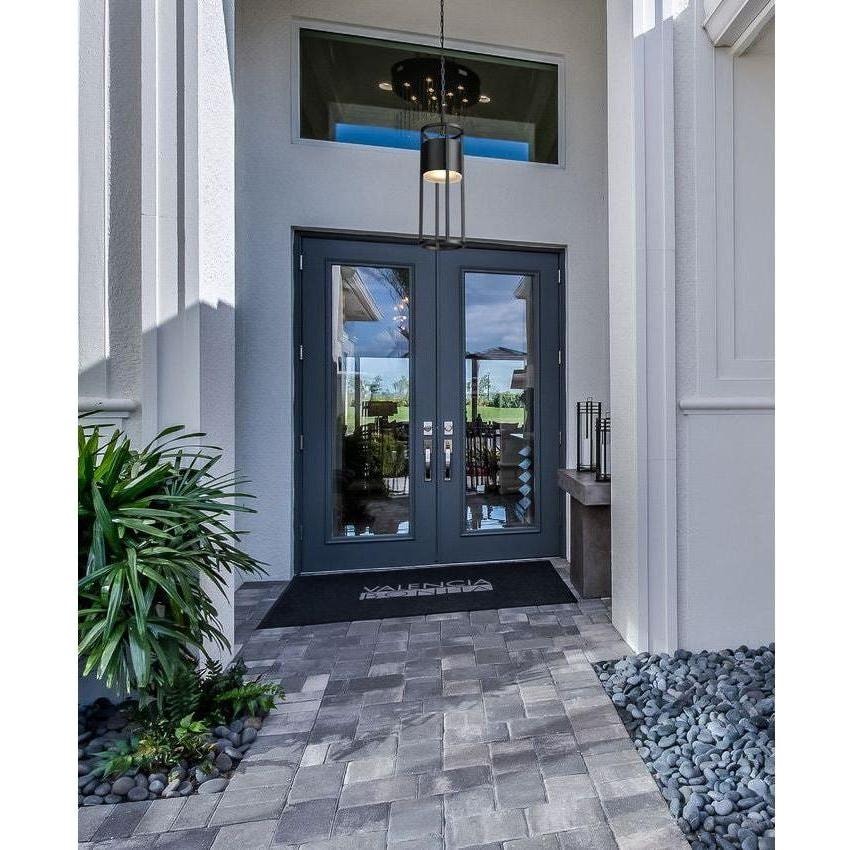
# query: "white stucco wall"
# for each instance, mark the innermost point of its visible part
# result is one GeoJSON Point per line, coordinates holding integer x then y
{"type": "Point", "coordinates": [283, 184]}
{"type": "Point", "coordinates": [110, 335]}
{"type": "Point", "coordinates": [724, 327]}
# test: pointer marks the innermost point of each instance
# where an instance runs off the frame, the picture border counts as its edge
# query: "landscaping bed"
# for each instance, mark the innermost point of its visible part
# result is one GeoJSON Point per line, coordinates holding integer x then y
{"type": "Point", "coordinates": [154, 536]}
{"type": "Point", "coordinates": [104, 727]}
{"type": "Point", "coordinates": [704, 724]}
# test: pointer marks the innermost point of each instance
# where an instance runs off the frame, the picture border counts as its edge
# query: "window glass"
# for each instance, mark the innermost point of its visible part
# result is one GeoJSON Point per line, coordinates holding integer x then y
{"type": "Point", "coordinates": [370, 333]}
{"type": "Point", "coordinates": [500, 383]}
{"type": "Point", "coordinates": [374, 92]}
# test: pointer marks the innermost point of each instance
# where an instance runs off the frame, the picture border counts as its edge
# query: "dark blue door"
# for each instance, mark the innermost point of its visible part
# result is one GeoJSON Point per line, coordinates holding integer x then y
{"type": "Point", "coordinates": [430, 399]}
{"type": "Point", "coordinates": [499, 388]}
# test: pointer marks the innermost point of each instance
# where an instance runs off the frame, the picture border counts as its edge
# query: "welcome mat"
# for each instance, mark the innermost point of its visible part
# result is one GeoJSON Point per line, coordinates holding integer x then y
{"type": "Point", "coordinates": [311, 599]}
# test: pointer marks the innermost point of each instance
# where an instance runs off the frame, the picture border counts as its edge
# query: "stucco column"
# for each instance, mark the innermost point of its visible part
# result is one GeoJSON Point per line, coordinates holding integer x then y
{"type": "Point", "coordinates": [188, 226]}
{"type": "Point", "coordinates": [642, 321]}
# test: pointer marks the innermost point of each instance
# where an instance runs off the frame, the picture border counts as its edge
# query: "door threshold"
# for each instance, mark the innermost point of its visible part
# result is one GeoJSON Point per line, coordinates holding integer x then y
{"type": "Point", "coordinates": [427, 566]}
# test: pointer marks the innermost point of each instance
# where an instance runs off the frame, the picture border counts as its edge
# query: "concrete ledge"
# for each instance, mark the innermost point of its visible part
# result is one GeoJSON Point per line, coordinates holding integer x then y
{"type": "Point", "coordinates": [106, 405]}
{"type": "Point", "coordinates": [584, 488]}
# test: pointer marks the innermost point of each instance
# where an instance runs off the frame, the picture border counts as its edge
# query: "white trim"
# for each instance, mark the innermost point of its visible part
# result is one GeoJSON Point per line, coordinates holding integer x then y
{"type": "Point", "coordinates": [752, 32]}
{"type": "Point", "coordinates": [729, 22]}
{"type": "Point", "coordinates": [425, 41]}
{"type": "Point", "coordinates": [656, 329]}
{"type": "Point", "coordinates": [709, 404]}
{"type": "Point", "coordinates": [721, 372]}
{"type": "Point", "coordinates": [93, 196]}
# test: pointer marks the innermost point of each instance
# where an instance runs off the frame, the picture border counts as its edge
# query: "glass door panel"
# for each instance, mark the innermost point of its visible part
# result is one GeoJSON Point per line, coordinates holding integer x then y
{"type": "Point", "coordinates": [367, 386]}
{"type": "Point", "coordinates": [500, 375]}
{"type": "Point", "coordinates": [499, 389]}
{"type": "Point", "coordinates": [370, 338]}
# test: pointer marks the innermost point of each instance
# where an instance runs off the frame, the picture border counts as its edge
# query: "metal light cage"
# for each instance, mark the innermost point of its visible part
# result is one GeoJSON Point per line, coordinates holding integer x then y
{"type": "Point", "coordinates": [603, 448]}
{"type": "Point", "coordinates": [588, 414]}
{"type": "Point", "coordinates": [441, 164]}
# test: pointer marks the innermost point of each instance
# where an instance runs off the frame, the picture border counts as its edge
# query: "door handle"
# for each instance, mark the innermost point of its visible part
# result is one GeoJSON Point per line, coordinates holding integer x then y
{"type": "Point", "coordinates": [427, 442]}
{"type": "Point", "coordinates": [447, 449]}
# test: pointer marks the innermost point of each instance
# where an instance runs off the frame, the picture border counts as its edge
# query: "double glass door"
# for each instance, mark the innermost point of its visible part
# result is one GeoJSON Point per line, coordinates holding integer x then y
{"type": "Point", "coordinates": [430, 393]}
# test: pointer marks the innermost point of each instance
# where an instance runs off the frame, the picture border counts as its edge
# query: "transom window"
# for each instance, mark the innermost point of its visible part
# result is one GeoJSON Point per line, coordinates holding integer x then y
{"type": "Point", "coordinates": [370, 91]}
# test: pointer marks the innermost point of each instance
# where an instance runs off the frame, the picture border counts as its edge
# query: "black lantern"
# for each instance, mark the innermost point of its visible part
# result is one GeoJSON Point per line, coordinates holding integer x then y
{"type": "Point", "coordinates": [441, 165]}
{"type": "Point", "coordinates": [603, 448]}
{"type": "Point", "coordinates": [587, 415]}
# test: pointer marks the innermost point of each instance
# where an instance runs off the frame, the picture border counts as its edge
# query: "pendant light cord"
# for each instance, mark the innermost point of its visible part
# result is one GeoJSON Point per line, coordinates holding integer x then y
{"type": "Point", "coordinates": [442, 63]}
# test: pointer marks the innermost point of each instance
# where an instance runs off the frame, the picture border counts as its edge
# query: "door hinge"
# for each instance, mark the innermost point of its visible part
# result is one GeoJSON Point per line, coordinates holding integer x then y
{"type": "Point", "coordinates": [301, 263]}
{"type": "Point", "coordinates": [300, 532]}
{"type": "Point", "coordinates": [300, 442]}
{"type": "Point", "coordinates": [560, 438]}
{"type": "Point", "coordinates": [559, 356]}
{"type": "Point", "coordinates": [300, 352]}
{"type": "Point", "coordinates": [559, 275]}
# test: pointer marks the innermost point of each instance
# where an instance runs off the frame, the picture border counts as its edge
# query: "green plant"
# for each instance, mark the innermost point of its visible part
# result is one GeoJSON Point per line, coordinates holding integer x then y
{"type": "Point", "coordinates": [181, 698]}
{"type": "Point", "coordinates": [255, 698]}
{"type": "Point", "coordinates": [214, 695]}
{"type": "Point", "coordinates": [117, 759]}
{"type": "Point", "coordinates": [159, 745]}
{"type": "Point", "coordinates": [153, 543]}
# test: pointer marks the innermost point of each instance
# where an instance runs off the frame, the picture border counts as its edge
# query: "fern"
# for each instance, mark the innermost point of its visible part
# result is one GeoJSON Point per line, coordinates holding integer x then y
{"type": "Point", "coordinates": [182, 698]}
{"type": "Point", "coordinates": [254, 698]}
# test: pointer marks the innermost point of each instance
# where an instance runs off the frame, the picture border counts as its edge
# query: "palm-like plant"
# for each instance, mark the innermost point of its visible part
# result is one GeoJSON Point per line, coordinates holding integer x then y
{"type": "Point", "coordinates": [152, 525]}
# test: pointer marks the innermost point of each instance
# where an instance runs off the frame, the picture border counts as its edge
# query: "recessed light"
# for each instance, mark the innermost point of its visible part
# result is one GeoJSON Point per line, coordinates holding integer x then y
{"type": "Point", "coordinates": [385, 86]}
{"type": "Point", "coordinates": [485, 98]}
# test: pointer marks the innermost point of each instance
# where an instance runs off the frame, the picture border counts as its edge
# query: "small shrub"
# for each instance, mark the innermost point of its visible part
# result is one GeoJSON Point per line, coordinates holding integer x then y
{"type": "Point", "coordinates": [255, 698]}
{"type": "Point", "coordinates": [214, 695]}
{"type": "Point", "coordinates": [153, 523]}
{"type": "Point", "coordinates": [160, 745]}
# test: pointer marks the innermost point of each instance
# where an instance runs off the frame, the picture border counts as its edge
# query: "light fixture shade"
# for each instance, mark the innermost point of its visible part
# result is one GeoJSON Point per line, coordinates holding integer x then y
{"type": "Point", "coordinates": [437, 156]}
{"type": "Point", "coordinates": [588, 413]}
{"type": "Point", "coordinates": [441, 166]}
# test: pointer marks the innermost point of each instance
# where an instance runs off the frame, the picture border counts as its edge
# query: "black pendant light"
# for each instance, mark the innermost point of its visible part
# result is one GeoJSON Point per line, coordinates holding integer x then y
{"type": "Point", "coordinates": [441, 166]}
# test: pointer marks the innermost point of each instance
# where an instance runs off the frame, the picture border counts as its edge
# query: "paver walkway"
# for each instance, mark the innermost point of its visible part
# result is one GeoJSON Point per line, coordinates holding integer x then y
{"type": "Point", "coordinates": [485, 729]}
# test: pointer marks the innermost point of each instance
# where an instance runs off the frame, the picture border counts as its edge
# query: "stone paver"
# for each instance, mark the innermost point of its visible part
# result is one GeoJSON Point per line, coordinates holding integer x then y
{"type": "Point", "coordinates": [89, 820]}
{"type": "Point", "coordinates": [484, 729]}
{"type": "Point", "coordinates": [246, 836]}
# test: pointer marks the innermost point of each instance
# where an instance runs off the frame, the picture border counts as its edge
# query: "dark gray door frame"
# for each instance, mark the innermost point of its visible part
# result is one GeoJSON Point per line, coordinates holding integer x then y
{"type": "Point", "coordinates": [298, 234]}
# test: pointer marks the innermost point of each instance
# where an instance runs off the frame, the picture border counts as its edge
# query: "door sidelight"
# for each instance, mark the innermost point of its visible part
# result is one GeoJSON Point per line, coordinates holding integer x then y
{"type": "Point", "coordinates": [427, 443]}
{"type": "Point", "coordinates": [448, 429]}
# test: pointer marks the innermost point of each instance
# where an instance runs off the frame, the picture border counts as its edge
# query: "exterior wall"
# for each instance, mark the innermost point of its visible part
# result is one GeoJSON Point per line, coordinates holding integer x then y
{"type": "Point", "coordinates": [157, 208]}
{"type": "Point", "coordinates": [724, 299]}
{"type": "Point", "coordinates": [284, 184]}
{"type": "Point", "coordinates": [110, 207]}
{"type": "Point", "coordinates": [626, 591]}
